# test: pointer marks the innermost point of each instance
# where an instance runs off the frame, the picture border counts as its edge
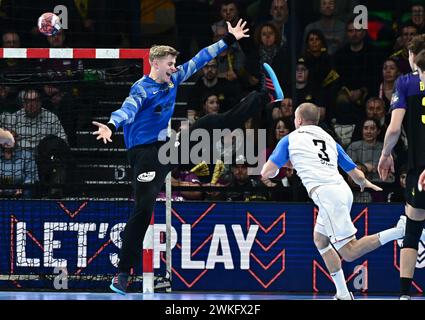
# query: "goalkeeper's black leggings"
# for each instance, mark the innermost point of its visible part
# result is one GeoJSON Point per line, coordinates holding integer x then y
{"type": "Point", "coordinates": [149, 175]}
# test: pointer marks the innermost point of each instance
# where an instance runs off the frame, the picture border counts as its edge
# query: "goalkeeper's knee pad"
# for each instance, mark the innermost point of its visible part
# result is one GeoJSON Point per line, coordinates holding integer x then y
{"type": "Point", "coordinates": [413, 233]}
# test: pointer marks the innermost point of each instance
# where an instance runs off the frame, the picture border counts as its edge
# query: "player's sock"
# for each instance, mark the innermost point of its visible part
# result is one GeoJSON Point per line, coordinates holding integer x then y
{"type": "Point", "coordinates": [340, 284]}
{"type": "Point", "coordinates": [393, 233]}
{"type": "Point", "coordinates": [270, 84]}
{"type": "Point", "coordinates": [405, 284]}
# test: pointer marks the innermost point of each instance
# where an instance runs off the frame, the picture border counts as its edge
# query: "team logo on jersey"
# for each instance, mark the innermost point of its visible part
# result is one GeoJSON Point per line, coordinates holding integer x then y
{"type": "Point", "coordinates": [394, 98]}
{"type": "Point", "coordinates": [170, 85]}
{"type": "Point", "coordinates": [146, 176]}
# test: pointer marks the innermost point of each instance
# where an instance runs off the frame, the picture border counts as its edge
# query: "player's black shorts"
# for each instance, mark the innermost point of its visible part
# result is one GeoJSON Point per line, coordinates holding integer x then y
{"type": "Point", "coordinates": [413, 197]}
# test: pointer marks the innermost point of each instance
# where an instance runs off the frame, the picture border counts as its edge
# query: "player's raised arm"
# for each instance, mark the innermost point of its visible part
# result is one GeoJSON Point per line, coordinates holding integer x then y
{"type": "Point", "coordinates": [189, 68]}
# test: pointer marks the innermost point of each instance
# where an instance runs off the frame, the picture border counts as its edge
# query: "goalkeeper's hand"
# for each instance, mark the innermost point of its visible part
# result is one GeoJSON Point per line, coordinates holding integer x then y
{"type": "Point", "coordinates": [103, 132]}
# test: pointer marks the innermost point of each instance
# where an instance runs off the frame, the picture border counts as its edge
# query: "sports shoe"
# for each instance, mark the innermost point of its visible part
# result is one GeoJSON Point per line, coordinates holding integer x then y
{"type": "Point", "coordinates": [271, 84]}
{"type": "Point", "coordinates": [120, 283]}
{"type": "Point", "coordinates": [405, 297]}
{"type": "Point", "coordinates": [349, 296]}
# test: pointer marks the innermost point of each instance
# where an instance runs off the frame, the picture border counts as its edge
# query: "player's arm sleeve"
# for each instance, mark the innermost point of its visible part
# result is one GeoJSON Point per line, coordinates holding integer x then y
{"type": "Point", "coordinates": [186, 70]}
{"type": "Point", "coordinates": [280, 154]}
{"type": "Point", "coordinates": [399, 97]}
{"type": "Point", "coordinates": [344, 161]}
{"type": "Point", "coordinates": [128, 110]}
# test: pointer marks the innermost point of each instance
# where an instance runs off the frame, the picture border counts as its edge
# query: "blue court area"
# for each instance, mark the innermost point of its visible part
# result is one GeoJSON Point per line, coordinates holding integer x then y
{"type": "Point", "coordinates": [15, 295]}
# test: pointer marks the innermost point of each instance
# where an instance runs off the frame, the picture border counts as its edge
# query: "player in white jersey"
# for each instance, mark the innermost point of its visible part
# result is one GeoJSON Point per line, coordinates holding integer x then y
{"type": "Point", "coordinates": [315, 156]}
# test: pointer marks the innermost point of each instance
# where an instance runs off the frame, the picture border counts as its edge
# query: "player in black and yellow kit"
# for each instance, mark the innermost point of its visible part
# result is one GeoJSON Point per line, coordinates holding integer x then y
{"type": "Point", "coordinates": [408, 108]}
{"type": "Point", "coordinates": [420, 63]}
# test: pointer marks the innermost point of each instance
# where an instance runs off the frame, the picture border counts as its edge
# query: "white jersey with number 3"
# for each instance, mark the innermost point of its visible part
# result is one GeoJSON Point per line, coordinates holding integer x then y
{"type": "Point", "coordinates": [313, 153]}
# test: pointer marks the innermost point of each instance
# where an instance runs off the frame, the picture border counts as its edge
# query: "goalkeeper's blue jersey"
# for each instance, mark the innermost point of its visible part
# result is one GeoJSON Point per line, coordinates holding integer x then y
{"type": "Point", "coordinates": [145, 113]}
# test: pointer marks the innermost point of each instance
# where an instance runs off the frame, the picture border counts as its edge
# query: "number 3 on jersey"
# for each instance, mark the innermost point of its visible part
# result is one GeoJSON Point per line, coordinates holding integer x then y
{"type": "Point", "coordinates": [322, 145]}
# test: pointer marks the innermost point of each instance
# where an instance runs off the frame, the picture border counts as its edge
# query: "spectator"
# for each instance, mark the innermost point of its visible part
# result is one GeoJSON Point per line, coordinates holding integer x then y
{"type": "Point", "coordinates": [55, 167]}
{"type": "Point", "coordinates": [32, 123]}
{"type": "Point", "coordinates": [368, 150]}
{"type": "Point", "coordinates": [231, 61]}
{"type": "Point", "coordinates": [390, 73]}
{"type": "Point", "coordinates": [321, 70]}
{"type": "Point", "coordinates": [11, 69]}
{"type": "Point", "coordinates": [343, 8]}
{"type": "Point", "coordinates": [241, 180]}
{"type": "Point", "coordinates": [357, 62]}
{"type": "Point", "coordinates": [66, 107]}
{"type": "Point", "coordinates": [281, 127]}
{"type": "Point", "coordinates": [210, 104]}
{"type": "Point", "coordinates": [398, 195]}
{"type": "Point", "coordinates": [228, 93]}
{"type": "Point", "coordinates": [284, 23]}
{"type": "Point", "coordinates": [11, 39]}
{"type": "Point", "coordinates": [306, 91]}
{"type": "Point", "coordinates": [279, 109]}
{"type": "Point", "coordinates": [332, 28]}
{"type": "Point", "coordinates": [418, 16]}
{"type": "Point", "coordinates": [408, 31]}
{"type": "Point", "coordinates": [268, 50]}
{"type": "Point", "coordinates": [230, 11]}
{"type": "Point", "coordinates": [8, 99]}
{"type": "Point", "coordinates": [17, 167]}
{"type": "Point", "coordinates": [375, 109]}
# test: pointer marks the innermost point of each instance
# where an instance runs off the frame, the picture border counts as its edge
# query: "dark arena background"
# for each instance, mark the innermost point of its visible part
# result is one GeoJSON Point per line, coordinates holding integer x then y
{"type": "Point", "coordinates": [65, 197]}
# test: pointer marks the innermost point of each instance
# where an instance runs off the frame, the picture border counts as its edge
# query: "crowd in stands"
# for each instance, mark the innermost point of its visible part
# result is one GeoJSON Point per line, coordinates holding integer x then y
{"type": "Point", "coordinates": [314, 47]}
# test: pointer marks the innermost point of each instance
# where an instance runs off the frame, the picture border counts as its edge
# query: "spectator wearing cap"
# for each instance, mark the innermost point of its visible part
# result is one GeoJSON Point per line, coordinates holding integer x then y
{"type": "Point", "coordinates": [244, 186]}
{"type": "Point", "coordinates": [306, 91]}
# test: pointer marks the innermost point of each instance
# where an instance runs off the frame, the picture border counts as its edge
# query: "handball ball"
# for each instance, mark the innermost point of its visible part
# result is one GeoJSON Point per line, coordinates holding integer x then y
{"type": "Point", "coordinates": [49, 24]}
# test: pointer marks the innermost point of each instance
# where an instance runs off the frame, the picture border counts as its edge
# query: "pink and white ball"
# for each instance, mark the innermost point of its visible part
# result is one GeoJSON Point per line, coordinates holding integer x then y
{"type": "Point", "coordinates": [49, 24]}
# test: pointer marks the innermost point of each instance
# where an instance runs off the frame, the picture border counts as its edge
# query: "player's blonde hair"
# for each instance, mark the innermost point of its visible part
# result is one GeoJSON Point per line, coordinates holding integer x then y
{"type": "Point", "coordinates": [158, 52]}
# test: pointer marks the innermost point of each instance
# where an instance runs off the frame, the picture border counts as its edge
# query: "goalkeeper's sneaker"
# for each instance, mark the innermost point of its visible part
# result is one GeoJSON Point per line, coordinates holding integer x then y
{"type": "Point", "coordinates": [120, 283]}
{"type": "Point", "coordinates": [271, 85]}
